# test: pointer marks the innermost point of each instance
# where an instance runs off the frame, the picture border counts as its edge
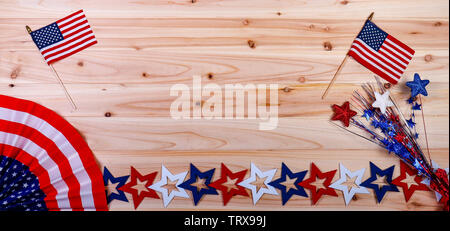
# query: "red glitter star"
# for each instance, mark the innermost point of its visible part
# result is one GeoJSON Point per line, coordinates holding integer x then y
{"type": "Point", "coordinates": [139, 196]}
{"type": "Point", "coordinates": [343, 113]}
{"type": "Point", "coordinates": [314, 174]}
{"type": "Point", "coordinates": [408, 191]}
{"type": "Point", "coordinates": [227, 191]}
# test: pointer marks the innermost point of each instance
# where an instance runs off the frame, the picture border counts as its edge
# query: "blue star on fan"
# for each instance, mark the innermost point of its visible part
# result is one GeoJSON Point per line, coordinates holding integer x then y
{"type": "Point", "coordinates": [195, 176]}
{"type": "Point", "coordinates": [418, 86]}
{"type": "Point", "coordinates": [120, 181]}
{"type": "Point", "coordinates": [292, 189]}
{"type": "Point", "coordinates": [410, 123]}
{"type": "Point", "coordinates": [380, 191]}
{"type": "Point", "coordinates": [367, 114]}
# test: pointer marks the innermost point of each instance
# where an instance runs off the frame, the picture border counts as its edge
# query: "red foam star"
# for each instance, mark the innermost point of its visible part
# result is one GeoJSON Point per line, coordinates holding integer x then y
{"type": "Point", "coordinates": [139, 196]}
{"type": "Point", "coordinates": [314, 174]}
{"type": "Point", "coordinates": [343, 113]}
{"type": "Point", "coordinates": [227, 193]}
{"type": "Point", "coordinates": [404, 168]}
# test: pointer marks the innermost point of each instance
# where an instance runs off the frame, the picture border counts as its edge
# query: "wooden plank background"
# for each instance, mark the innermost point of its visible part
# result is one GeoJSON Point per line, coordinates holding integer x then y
{"type": "Point", "coordinates": [147, 46]}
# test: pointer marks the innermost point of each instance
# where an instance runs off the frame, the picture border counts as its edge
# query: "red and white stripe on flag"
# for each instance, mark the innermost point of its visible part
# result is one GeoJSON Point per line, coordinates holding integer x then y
{"type": "Point", "coordinates": [77, 35]}
{"type": "Point", "coordinates": [381, 53]}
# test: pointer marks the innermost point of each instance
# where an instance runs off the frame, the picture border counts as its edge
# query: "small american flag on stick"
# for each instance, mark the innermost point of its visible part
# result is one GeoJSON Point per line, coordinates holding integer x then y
{"type": "Point", "coordinates": [64, 37]}
{"type": "Point", "coordinates": [381, 53]}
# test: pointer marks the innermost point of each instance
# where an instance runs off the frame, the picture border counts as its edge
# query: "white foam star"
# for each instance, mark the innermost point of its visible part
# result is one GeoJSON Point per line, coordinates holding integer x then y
{"type": "Point", "coordinates": [344, 173]}
{"type": "Point", "coordinates": [382, 101]}
{"type": "Point", "coordinates": [167, 197]}
{"type": "Point", "coordinates": [257, 194]}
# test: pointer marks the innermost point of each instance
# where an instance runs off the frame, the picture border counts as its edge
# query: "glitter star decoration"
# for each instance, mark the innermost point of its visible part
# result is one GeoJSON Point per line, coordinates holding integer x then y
{"type": "Point", "coordinates": [418, 86]}
{"type": "Point", "coordinates": [382, 101]}
{"type": "Point", "coordinates": [287, 187]}
{"type": "Point", "coordinates": [324, 188]}
{"type": "Point", "coordinates": [254, 173]}
{"type": "Point", "coordinates": [162, 185]}
{"type": "Point", "coordinates": [201, 181]}
{"type": "Point", "coordinates": [230, 190]}
{"type": "Point", "coordinates": [380, 189]}
{"type": "Point", "coordinates": [118, 182]}
{"type": "Point", "coordinates": [343, 113]}
{"type": "Point", "coordinates": [426, 181]}
{"type": "Point", "coordinates": [408, 190]}
{"type": "Point", "coordinates": [349, 191]}
{"type": "Point", "coordinates": [139, 194]}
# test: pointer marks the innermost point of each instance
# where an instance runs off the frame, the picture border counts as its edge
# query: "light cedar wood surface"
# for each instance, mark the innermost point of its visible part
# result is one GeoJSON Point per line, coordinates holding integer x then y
{"type": "Point", "coordinates": [145, 47]}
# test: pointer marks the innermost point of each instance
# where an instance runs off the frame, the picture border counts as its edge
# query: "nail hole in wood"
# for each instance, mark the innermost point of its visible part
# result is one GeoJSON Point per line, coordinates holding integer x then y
{"type": "Point", "coordinates": [251, 44]}
{"type": "Point", "coordinates": [302, 79]}
{"type": "Point", "coordinates": [210, 75]}
{"type": "Point", "coordinates": [327, 46]}
{"type": "Point", "coordinates": [11, 85]}
{"type": "Point", "coordinates": [80, 64]}
{"type": "Point", "coordinates": [108, 114]}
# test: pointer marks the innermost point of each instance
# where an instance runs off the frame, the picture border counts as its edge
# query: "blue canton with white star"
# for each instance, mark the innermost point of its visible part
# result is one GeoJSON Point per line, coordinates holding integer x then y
{"type": "Point", "coordinates": [19, 187]}
{"type": "Point", "coordinates": [47, 35]}
{"type": "Point", "coordinates": [372, 35]}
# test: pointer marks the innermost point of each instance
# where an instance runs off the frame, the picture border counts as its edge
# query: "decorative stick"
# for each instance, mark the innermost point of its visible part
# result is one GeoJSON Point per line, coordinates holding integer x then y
{"type": "Point", "coordinates": [72, 103]}
{"type": "Point", "coordinates": [342, 63]}
{"type": "Point", "coordinates": [425, 129]}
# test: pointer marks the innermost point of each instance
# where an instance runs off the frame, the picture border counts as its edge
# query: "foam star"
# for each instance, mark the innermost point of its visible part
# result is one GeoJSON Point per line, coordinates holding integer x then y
{"type": "Point", "coordinates": [409, 190]}
{"type": "Point", "coordinates": [380, 191]}
{"type": "Point", "coordinates": [204, 178]}
{"type": "Point", "coordinates": [229, 191]}
{"type": "Point", "coordinates": [294, 189]}
{"type": "Point", "coordinates": [315, 174]}
{"type": "Point", "coordinates": [418, 86]}
{"type": "Point", "coordinates": [349, 192]}
{"type": "Point", "coordinates": [343, 113]}
{"type": "Point", "coordinates": [268, 189]}
{"type": "Point", "coordinates": [166, 195]}
{"type": "Point", "coordinates": [382, 101]}
{"type": "Point", "coordinates": [120, 181]}
{"type": "Point", "coordinates": [426, 181]}
{"type": "Point", "coordinates": [137, 194]}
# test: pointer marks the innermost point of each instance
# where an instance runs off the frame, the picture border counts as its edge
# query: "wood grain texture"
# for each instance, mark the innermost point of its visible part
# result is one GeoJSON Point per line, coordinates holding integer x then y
{"type": "Point", "coordinates": [147, 46]}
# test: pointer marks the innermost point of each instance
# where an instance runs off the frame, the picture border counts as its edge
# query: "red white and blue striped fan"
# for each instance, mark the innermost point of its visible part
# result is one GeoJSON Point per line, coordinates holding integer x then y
{"type": "Point", "coordinates": [44, 162]}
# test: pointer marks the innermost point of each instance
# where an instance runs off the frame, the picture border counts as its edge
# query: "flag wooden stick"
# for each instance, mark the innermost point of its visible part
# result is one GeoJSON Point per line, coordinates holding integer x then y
{"type": "Point", "coordinates": [341, 65]}
{"type": "Point", "coordinates": [69, 98]}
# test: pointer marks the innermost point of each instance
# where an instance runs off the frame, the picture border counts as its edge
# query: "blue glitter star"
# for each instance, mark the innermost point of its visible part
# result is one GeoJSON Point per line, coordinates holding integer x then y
{"type": "Point", "coordinates": [367, 114]}
{"type": "Point", "coordinates": [198, 193]}
{"type": "Point", "coordinates": [410, 123]}
{"type": "Point", "coordinates": [380, 191]}
{"type": "Point", "coordinates": [417, 107]}
{"type": "Point", "coordinates": [410, 100]}
{"type": "Point", "coordinates": [418, 86]}
{"type": "Point", "coordinates": [108, 177]}
{"type": "Point", "coordinates": [287, 194]}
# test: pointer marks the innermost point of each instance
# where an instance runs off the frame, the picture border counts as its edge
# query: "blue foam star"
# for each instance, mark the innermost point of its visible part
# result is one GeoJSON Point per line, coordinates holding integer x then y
{"type": "Point", "coordinates": [197, 194]}
{"type": "Point", "coordinates": [418, 86]}
{"type": "Point", "coordinates": [410, 123]}
{"type": "Point", "coordinates": [417, 107]}
{"type": "Point", "coordinates": [380, 191]}
{"type": "Point", "coordinates": [287, 194]}
{"type": "Point", "coordinates": [108, 177]}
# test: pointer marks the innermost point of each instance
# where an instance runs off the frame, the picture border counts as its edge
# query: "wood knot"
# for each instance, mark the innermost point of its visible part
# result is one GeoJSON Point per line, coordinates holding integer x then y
{"type": "Point", "coordinates": [387, 85]}
{"type": "Point", "coordinates": [193, 1]}
{"type": "Point", "coordinates": [108, 114]}
{"type": "Point", "coordinates": [11, 85]}
{"type": "Point", "coordinates": [245, 22]}
{"type": "Point", "coordinates": [279, 13]}
{"type": "Point", "coordinates": [210, 75]}
{"type": "Point", "coordinates": [251, 44]}
{"type": "Point", "coordinates": [415, 32]}
{"type": "Point", "coordinates": [428, 58]}
{"type": "Point", "coordinates": [80, 64]}
{"type": "Point", "coordinates": [311, 27]}
{"type": "Point", "coordinates": [302, 79]}
{"type": "Point", "coordinates": [327, 46]}
{"type": "Point", "coordinates": [286, 89]}
{"type": "Point", "coordinates": [345, 2]}
{"type": "Point", "coordinates": [326, 29]}
{"type": "Point", "coordinates": [355, 198]}
{"type": "Point", "coordinates": [437, 24]}
{"type": "Point", "coordinates": [15, 73]}
{"type": "Point", "coordinates": [145, 75]}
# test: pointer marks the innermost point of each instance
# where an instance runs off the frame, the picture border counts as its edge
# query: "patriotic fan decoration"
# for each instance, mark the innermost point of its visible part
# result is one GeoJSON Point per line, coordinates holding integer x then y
{"type": "Point", "coordinates": [44, 162]}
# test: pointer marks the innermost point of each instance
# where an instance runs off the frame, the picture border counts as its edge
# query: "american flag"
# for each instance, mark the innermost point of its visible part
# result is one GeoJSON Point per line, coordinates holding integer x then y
{"type": "Point", "coordinates": [64, 37]}
{"type": "Point", "coordinates": [381, 53]}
